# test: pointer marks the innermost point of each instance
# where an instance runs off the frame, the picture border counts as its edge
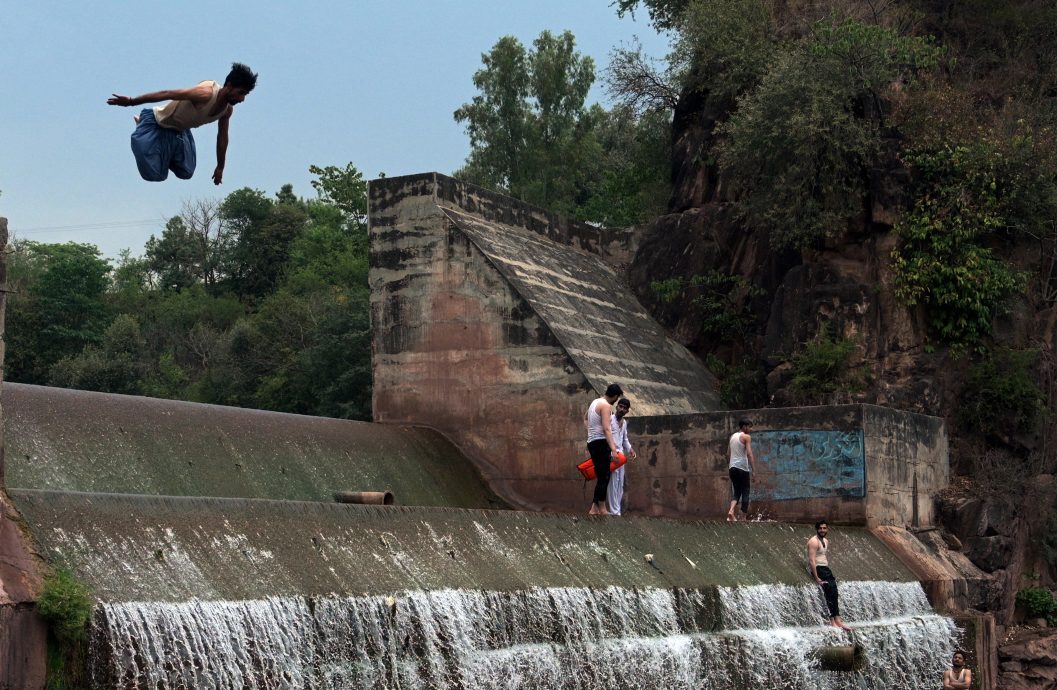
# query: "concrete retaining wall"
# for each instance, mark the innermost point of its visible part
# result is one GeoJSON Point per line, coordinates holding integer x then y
{"type": "Point", "coordinates": [497, 323]}
{"type": "Point", "coordinates": [498, 337]}
{"type": "Point", "coordinates": [845, 463]}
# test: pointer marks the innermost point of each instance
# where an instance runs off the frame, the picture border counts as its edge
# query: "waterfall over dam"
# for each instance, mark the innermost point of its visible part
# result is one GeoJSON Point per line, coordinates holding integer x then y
{"type": "Point", "coordinates": [548, 638]}
{"type": "Point", "coordinates": [237, 593]}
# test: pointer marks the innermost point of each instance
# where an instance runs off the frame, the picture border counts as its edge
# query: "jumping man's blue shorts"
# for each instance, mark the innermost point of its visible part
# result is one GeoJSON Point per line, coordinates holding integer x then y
{"type": "Point", "coordinates": [160, 149]}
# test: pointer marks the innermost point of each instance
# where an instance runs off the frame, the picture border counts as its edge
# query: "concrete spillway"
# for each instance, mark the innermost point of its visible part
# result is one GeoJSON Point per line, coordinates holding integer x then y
{"type": "Point", "coordinates": [261, 594]}
{"type": "Point", "coordinates": [67, 440]}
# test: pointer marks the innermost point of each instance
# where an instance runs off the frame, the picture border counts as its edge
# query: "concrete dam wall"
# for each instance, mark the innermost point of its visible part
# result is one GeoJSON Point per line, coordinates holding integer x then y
{"type": "Point", "coordinates": [301, 594]}
{"type": "Point", "coordinates": [517, 318]}
{"type": "Point", "coordinates": [67, 440]}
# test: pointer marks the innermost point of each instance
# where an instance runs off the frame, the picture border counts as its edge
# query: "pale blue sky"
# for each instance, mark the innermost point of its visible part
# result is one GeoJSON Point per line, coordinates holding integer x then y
{"type": "Point", "coordinates": [369, 81]}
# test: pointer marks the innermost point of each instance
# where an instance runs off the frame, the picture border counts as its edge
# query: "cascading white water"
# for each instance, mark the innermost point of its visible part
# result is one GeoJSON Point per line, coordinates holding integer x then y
{"type": "Point", "coordinates": [556, 638]}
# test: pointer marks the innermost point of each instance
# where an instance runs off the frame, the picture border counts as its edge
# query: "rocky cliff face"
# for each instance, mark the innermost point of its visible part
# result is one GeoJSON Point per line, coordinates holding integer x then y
{"type": "Point", "coordinates": [849, 284]}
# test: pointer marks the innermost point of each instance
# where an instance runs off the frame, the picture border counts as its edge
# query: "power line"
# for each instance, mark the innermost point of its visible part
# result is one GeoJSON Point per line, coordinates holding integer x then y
{"type": "Point", "coordinates": [86, 227]}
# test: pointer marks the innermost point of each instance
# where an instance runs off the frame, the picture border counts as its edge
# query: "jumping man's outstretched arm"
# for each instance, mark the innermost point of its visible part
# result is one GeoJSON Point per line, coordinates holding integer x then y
{"type": "Point", "coordinates": [222, 146]}
{"type": "Point", "coordinates": [196, 94]}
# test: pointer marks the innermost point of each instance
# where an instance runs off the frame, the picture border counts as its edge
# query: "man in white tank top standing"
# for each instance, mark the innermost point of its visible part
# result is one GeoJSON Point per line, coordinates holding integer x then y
{"type": "Point", "coordinates": [740, 468]}
{"type": "Point", "coordinates": [162, 140]}
{"type": "Point", "coordinates": [600, 444]}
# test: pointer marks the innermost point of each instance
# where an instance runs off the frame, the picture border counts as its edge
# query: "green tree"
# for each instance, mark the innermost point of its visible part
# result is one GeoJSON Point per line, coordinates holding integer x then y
{"type": "Point", "coordinates": [799, 144]}
{"type": "Point", "coordinates": [263, 230]}
{"type": "Point", "coordinates": [943, 262]}
{"type": "Point", "coordinates": [114, 366]}
{"type": "Point", "coordinates": [59, 307]}
{"type": "Point", "coordinates": [344, 189]}
{"type": "Point", "coordinates": [530, 130]}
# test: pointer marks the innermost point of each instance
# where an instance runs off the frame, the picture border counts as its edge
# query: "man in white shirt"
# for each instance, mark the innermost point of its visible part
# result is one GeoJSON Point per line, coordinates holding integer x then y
{"type": "Point", "coordinates": [615, 493]}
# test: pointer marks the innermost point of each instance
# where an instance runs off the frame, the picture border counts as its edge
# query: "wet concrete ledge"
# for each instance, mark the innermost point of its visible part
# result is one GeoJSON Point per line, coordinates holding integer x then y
{"type": "Point", "coordinates": [158, 548]}
{"type": "Point", "coordinates": [69, 440]}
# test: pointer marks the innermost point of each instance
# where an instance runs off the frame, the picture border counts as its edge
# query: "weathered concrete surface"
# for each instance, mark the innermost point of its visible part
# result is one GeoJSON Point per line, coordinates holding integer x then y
{"type": "Point", "coordinates": [609, 336]}
{"type": "Point", "coordinates": [23, 646]}
{"type": "Point", "coordinates": [682, 466]}
{"type": "Point", "coordinates": [499, 337]}
{"type": "Point", "coordinates": [907, 465]}
{"type": "Point", "coordinates": [492, 325]}
{"type": "Point", "coordinates": [615, 245]}
{"type": "Point", "coordinates": [82, 441]}
{"type": "Point", "coordinates": [950, 580]}
{"type": "Point", "coordinates": [129, 548]}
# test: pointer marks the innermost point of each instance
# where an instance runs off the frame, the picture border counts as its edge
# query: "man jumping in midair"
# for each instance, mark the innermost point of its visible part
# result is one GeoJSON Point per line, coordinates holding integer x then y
{"type": "Point", "coordinates": [162, 140]}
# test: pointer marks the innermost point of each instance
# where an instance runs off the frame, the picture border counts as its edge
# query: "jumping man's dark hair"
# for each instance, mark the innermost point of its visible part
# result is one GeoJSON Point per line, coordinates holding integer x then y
{"type": "Point", "coordinates": [241, 77]}
{"type": "Point", "coordinates": [614, 391]}
{"type": "Point", "coordinates": [819, 524]}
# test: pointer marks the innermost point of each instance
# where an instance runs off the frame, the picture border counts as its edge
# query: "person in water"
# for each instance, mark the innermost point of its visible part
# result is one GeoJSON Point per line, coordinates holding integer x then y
{"type": "Point", "coordinates": [162, 140]}
{"type": "Point", "coordinates": [818, 562]}
{"type": "Point", "coordinates": [600, 444]}
{"type": "Point", "coordinates": [740, 468]}
{"type": "Point", "coordinates": [957, 677]}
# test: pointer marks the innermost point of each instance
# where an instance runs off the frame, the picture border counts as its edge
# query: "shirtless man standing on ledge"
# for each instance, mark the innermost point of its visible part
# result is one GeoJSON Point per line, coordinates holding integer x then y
{"type": "Point", "coordinates": [818, 563]}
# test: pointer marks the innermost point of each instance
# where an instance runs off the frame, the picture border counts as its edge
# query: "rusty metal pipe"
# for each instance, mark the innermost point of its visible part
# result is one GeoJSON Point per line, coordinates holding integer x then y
{"type": "Point", "coordinates": [850, 657]}
{"type": "Point", "coordinates": [373, 498]}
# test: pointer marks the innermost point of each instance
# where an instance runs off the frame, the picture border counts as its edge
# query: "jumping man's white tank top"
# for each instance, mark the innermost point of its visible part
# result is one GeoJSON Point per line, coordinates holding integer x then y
{"type": "Point", "coordinates": [187, 115]}
{"type": "Point", "coordinates": [594, 421]}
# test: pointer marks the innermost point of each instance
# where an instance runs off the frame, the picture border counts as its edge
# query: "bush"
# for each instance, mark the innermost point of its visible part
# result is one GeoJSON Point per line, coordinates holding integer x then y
{"type": "Point", "coordinates": [66, 605]}
{"type": "Point", "coordinates": [822, 369]}
{"type": "Point", "coordinates": [1037, 602]}
{"type": "Point", "coordinates": [719, 301]}
{"type": "Point", "coordinates": [798, 145]}
{"type": "Point", "coordinates": [742, 386]}
{"type": "Point", "coordinates": [1000, 396]}
{"type": "Point", "coordinates": [942, 262]}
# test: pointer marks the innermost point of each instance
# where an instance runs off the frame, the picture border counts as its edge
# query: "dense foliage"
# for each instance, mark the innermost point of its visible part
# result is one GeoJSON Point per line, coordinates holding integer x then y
{"type": "Point", "coordinates": [533, 135]}
{"type": "Point", "coordinates": [1000, 397]}
{"type": "Point", "coordinates": [822, 369]}
{"type": "Point", "coordinates": [798, 143]}
{"type": "Point", "coordinates": [254, 301]}
{"type": "Point", "coordinates": [944, 262]}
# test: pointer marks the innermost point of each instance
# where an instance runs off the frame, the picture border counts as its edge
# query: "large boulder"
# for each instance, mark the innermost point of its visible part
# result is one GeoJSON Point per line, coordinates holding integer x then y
{"type": "Point", "coordinates": [1029, 662]}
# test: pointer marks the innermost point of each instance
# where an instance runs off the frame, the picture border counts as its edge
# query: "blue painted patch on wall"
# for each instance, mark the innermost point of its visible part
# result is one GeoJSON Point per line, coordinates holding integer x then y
{"type": "Point", "coordinates": [808, 463]}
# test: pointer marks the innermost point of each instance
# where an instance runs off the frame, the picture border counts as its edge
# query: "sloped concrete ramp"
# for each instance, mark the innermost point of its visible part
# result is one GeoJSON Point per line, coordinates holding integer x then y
{"type": "Point", "coordinates": [67, 440]}
{"type": "Point", "coordinates": [130, 548]}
